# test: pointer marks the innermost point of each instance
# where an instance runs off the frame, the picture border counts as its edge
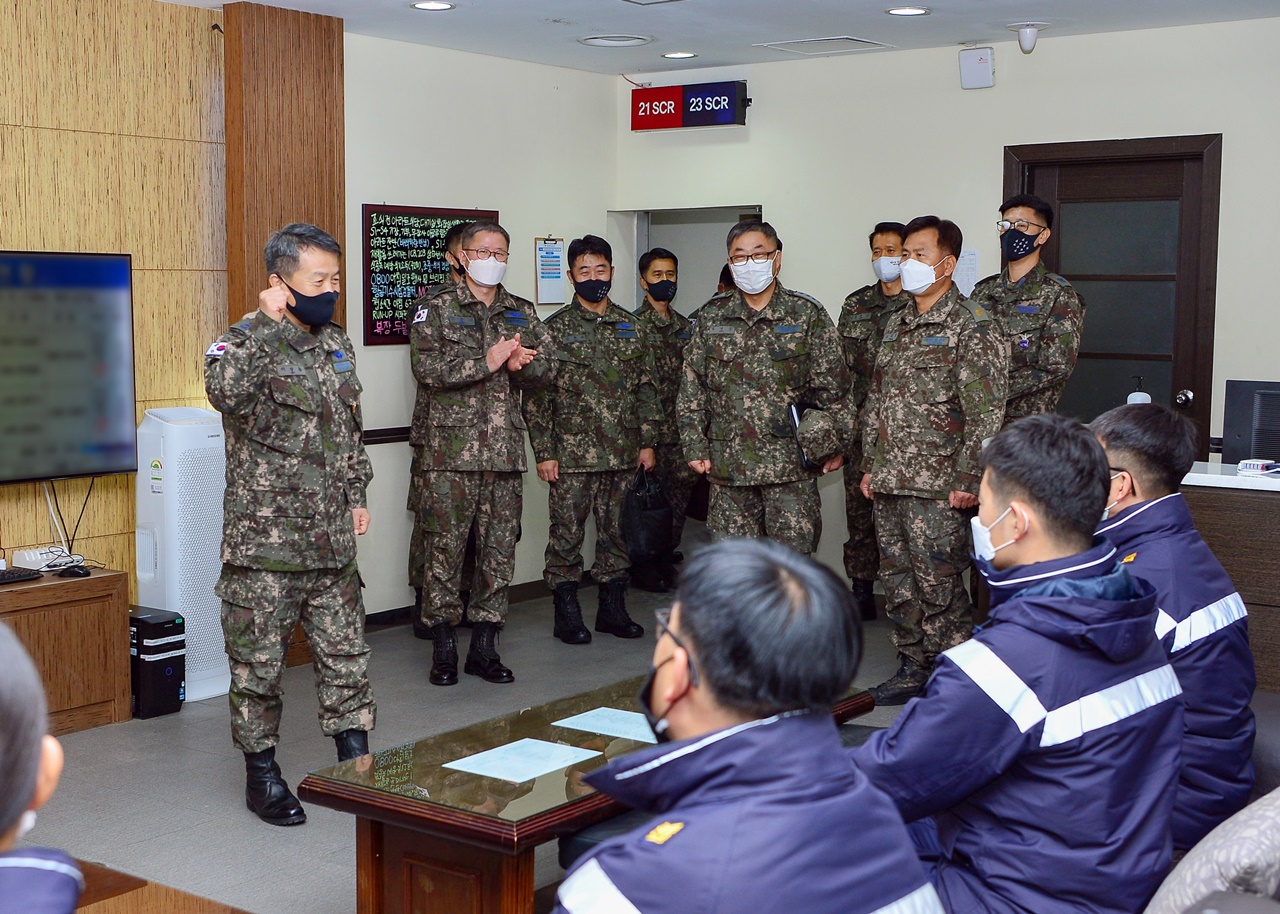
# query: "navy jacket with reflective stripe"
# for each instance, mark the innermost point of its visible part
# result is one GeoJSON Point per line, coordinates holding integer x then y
{"type": "Point", "coordinates": [39, 880]}
{"type": "Point", "coordinates": [1202, 623]}
{"type": "Point", "coordinates": [1046, 747]}
{"type": "Point", "coordinates": [767, 817]}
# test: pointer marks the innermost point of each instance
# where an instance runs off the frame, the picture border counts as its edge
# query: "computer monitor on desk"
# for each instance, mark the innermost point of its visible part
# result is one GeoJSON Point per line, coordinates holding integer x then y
{"type": "Point", "coordinates": [1251, 421]}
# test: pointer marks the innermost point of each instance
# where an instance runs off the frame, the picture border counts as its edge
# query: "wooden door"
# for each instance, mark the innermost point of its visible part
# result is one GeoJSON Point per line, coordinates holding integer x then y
{"type": "Point", "coordinates": [1136, 232]}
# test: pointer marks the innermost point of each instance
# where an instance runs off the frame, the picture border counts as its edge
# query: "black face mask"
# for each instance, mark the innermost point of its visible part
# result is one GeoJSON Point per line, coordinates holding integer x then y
{"type": "Point", "coordinates": [657, 724]}
{"type": "Point", "coordinates": [313, 310]}
{"type": "Point", "coordinates": [456, 268]}
{"type": "Point", "coordinates": [592, 290]}
{"type": "Point", "coordinates": [1015, 244]}
{"type": "Point", "coordinates": [664, 290]}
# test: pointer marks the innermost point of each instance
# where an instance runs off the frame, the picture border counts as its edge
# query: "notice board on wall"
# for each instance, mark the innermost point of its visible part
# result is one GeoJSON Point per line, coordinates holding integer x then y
{"type": "Point", "coordinates": [403, 257]}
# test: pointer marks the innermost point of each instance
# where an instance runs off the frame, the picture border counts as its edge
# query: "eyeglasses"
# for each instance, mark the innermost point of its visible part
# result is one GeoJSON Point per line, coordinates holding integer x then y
{"type": "Point", "coordinates": [759, 257]}
{"type": "Point", "coordinates": [485, 254]}
{"type": "Point", "coordinates": [1022, 225]}
{"type": "Point", "coordinates": [663, 619]}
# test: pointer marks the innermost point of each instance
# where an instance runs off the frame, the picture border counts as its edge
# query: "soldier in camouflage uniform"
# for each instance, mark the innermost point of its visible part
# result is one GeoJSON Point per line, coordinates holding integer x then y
{"type": "Point", "coordinates": [474, 347]}
{"type": "Point", "coordinates": [755, 352]}
{"type": "Point", "coordinates": [284, 380]}
{"type": "Point", "coordinates": [937, 393]}
{"type": "Point", "coordinates": [861, 326]}
{"type": "Point", "coordinates": [669, 331]}
{"type": "Point", "coordinates": [1041, 315]}
{"type": "Point", "coordinates": [589, 432]}
{"type": "Point", "coordinates": [417, 441]}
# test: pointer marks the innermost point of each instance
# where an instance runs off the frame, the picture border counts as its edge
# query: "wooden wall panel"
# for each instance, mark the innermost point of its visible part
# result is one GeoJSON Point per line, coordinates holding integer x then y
{"type": "Point", "coordinates": [172, 194]}
{"type": "Point", "coordinates": [70, 64]}
{"type": "Point", "coordinates": [73, 191]}
{"type": "Point", "coordinates": [111, 128]}
{"type": "Point", "coordinates": [174, 61]}
{"type": "Point", "coordinates": [179, 314]}
{"type": "Point", "coordinates": [285, 135]}
{"type": "Point", "coordinates": [11, 75]}
{"type": "Point", "coordinates": [13, 186]}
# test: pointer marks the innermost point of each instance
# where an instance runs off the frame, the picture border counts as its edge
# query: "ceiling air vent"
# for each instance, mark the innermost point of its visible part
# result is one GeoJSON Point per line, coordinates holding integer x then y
{"type": "Point", "coordinates": [817, 47]}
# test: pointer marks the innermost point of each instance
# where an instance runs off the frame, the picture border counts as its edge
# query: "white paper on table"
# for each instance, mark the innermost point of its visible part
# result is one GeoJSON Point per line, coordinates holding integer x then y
{"type": "Point", "coordinates": [522, 760]}
{"type": "Point", "coordinates": [611, 722]}
{"type": "Point", "coordinates": [966, 273]}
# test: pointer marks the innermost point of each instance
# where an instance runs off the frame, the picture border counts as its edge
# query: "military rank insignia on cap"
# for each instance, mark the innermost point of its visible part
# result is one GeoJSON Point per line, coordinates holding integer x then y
{"type": "Point", "coordinates": [216, 350]}
{"type": "Point", "coordinates": [420, 316]}
{"type": "Point", "coordinates": [664, 832]}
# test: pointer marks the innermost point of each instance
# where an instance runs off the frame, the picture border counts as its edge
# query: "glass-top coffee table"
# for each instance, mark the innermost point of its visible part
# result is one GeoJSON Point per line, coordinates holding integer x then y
{"type": "Point", "coordinates": [431, 838]}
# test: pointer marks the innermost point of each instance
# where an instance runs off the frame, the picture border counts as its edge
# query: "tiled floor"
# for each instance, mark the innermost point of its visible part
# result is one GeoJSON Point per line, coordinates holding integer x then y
{"type": "Point", "coordinates": [163, 798]}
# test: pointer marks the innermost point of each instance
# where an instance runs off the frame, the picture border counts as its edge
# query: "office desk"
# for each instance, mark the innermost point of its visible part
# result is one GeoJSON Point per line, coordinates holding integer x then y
{"type": "Point", "coordinates": [1239, 517]}
{"type": "Point", "coordinates": [77, 633]}
{"type": "Point", "coordinates": [430, 838]}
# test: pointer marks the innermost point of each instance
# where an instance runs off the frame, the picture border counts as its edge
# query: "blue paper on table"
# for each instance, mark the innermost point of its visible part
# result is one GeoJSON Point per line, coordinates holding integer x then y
{"type": "Point", "coordinates": [522, 760]}
{"type": "Point", "coordinates": [611, 722]}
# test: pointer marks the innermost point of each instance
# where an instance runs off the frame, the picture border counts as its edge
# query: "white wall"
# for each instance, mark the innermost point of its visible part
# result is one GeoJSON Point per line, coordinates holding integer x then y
{"type": "Point", "coordinates": [431, 127]}
{"type": "Point", "coordinates": [834, 145]}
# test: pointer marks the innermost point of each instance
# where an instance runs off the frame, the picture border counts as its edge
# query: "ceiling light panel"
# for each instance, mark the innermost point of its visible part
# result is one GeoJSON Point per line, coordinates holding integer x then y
{"type": "Point", "coordinates": [819, 47]}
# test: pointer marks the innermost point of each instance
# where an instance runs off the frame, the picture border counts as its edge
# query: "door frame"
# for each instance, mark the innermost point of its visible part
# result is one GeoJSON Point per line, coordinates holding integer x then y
{"type": "Point", "coordinates": [1204, 153]}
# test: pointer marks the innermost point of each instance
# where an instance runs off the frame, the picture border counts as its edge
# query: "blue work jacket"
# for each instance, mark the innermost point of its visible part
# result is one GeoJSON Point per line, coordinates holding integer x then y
{"type": "Point", "coordinates": [39, 880]}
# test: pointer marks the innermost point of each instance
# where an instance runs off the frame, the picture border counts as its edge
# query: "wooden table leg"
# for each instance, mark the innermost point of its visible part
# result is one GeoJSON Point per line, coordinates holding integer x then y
{"type": "Point", "coordinates": [402, 871]}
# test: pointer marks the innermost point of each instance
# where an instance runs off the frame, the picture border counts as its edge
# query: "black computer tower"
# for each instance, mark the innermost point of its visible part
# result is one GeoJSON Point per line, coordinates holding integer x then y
{"type": "Point", "coordinates": [157, 661]}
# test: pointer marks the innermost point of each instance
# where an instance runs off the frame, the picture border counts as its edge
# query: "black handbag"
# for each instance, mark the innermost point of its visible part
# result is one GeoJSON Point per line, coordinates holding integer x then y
{"type": "Point", "coordinates": [646, 518]}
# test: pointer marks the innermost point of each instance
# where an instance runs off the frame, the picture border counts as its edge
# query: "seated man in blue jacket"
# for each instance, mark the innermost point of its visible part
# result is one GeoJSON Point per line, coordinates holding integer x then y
{"type": "Point", "coordinates": [756, 807]}
{"type": "Point", "coordinates": [1038, 769]}
{"type": "Point", "coordinates": [1200, 620]}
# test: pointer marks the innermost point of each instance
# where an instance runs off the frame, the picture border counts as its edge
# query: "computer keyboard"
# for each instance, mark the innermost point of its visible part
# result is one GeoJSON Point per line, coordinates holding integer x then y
{"type": "Point", "coordinates": [15, 575]}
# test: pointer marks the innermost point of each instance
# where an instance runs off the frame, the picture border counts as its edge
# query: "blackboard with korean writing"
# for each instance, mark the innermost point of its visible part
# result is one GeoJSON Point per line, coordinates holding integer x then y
{"type": "Point", "coordinates": [403, 257]}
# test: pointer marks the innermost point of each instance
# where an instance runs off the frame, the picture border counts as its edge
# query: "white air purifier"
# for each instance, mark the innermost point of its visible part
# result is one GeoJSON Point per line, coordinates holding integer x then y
{"type": "Point", "coordinates": [181, 477]}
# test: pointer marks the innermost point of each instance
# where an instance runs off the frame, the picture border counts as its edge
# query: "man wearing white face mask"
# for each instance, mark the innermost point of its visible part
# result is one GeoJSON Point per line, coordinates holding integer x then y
{"type": "Point", "coordinates": [861, 327]}
{"type": "Point", "coordinates": [1037, 771]}
{"type": "Point", "coordinates": [475, 346]}
{"type": "Point", "coordinates": [756, 352]}
{"type": "Point", "coordinates": [937, 393]}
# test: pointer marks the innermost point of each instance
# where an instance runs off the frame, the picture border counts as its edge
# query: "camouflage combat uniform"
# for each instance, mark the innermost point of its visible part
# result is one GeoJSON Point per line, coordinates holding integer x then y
{"type": "Point", "coordinates": [417, 442]}
{"type": "Point", "coordinates": [1042, 317]}
{"type": "Point", "coordinates": [296, 467]}
{"type": "Point", "coordinates": [743, 370]}
{"type": "Point", "coordinates": [601, 411]}
{"type": "Point", "coordinates": [473, 450]}
{"type": "Point", "coordinates": [937, 392]}
{"type": "Point", "coordinates": [861, 326]}
{"type": "Point", "coordinates": [669, 336]}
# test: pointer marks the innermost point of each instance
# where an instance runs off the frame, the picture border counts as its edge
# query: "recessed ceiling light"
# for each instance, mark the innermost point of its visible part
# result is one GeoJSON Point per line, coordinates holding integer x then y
{"type": "Point", "coordinates": [679, 55]}
{"type": "Point", "coordinates": [433, 6]}
{"type": "Point", "coordinates": [615, 41]}
{"type": "Point", "coordinates": [908, 11]}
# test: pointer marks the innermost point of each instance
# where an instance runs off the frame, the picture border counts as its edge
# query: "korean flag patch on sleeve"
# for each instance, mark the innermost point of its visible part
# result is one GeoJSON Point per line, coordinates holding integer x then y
{"type": "Point", "coordinates": [216, 350]}
{"type": "Point", "coordinates": [420, 315]}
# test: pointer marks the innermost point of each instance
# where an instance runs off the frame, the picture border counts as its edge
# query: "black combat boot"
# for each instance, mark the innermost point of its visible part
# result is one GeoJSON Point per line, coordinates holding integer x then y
{"type": "Point", "coordinates": [903, 685]}
{"type": "Point", "coordinates": [352, 744]}
{"type": "Point", "coordinates": [482, 655]}
{"type": "Point", "coordinates": [864, 599]}
{"type": "Point", "coordinates": [444, 655]}
{"type": "Point", "coordinates": [568, 625]}
{"type": "Point", "coordinates": [647, 575]}
{"type": "Point", "coordinates": [265, 792]}
{"type": "Point", "coordinates": [421, 629]}
{"type": "Point", "coordinates": [612, 618]}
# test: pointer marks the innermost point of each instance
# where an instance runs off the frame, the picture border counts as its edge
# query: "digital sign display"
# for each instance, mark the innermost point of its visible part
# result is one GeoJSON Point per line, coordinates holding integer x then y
{"type": "Point", "coordinates": [701, 105]}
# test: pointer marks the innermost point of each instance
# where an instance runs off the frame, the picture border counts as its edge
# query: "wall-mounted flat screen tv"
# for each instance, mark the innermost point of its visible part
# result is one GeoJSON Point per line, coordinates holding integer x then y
{"type": "Point", "coordinates": [66, 366]}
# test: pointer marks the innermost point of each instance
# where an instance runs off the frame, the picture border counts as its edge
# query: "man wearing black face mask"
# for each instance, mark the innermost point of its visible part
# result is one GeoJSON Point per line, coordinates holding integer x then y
{"type": "Point", "coordinates": [755, 808]}
{"type": "Point", "coordinates": [668, 332]}
{"type": "Point", "coordinates": [589, 431]}
{"type": "Point", "coordinates": [1041, 314]}
{"type": "Point", "coordinates": [284, 380]}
